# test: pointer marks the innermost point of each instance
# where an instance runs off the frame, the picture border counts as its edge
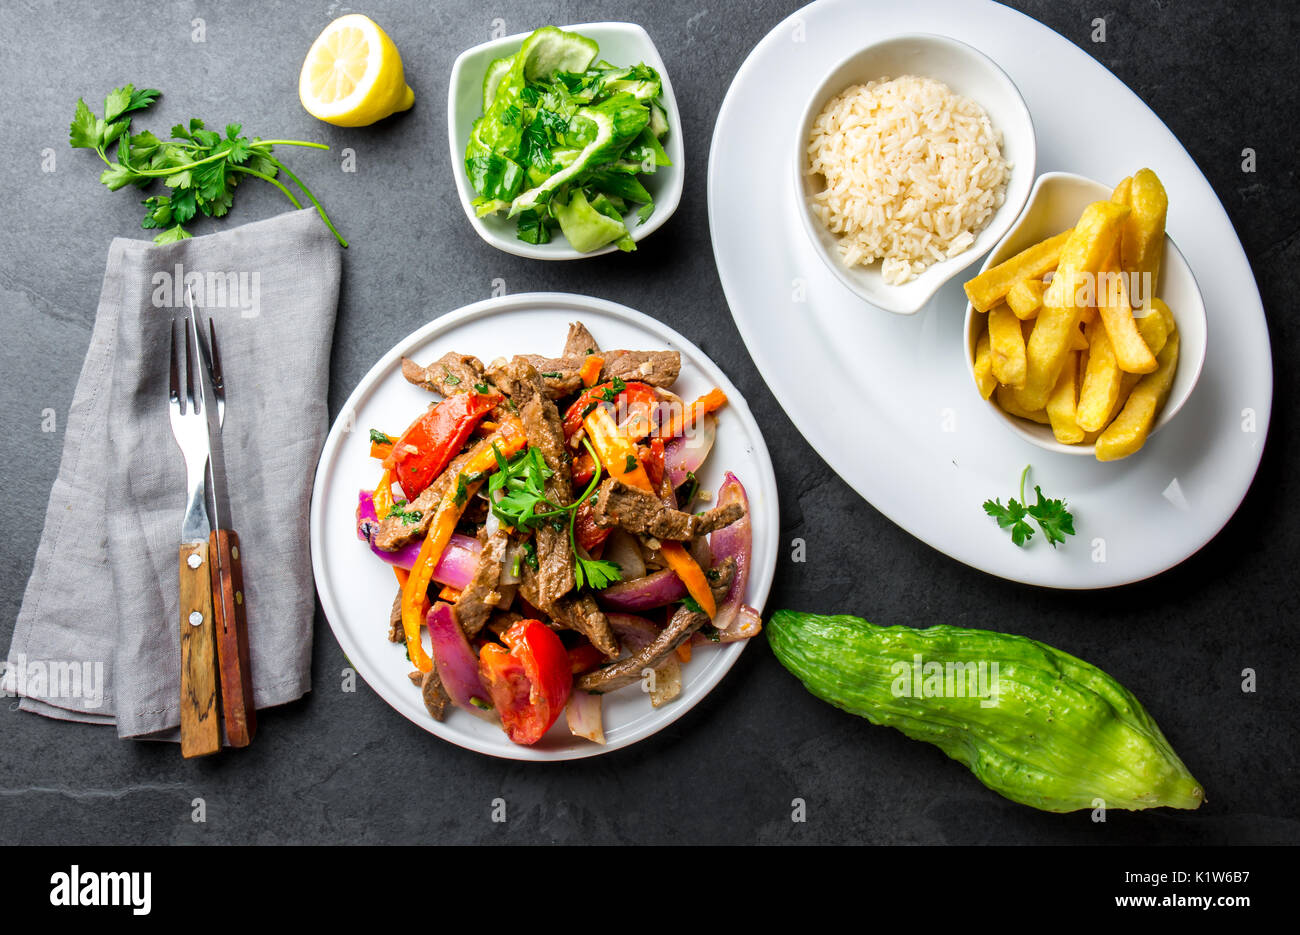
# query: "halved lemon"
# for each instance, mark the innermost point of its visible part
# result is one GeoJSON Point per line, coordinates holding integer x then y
{"type": "Point", "coordinates": [353, 75]}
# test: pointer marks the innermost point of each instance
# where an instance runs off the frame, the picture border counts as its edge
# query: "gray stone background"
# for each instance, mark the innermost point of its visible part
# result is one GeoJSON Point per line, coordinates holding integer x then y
{"type": "Point", "coordinates": [344, 768]}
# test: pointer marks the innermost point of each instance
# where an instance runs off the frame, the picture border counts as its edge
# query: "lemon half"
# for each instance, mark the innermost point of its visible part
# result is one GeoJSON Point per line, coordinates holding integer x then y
{"type": "Point", "coordinates": [353, 74]}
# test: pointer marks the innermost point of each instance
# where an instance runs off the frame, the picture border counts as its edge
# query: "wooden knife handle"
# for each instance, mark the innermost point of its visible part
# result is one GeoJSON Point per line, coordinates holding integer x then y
{"type": "Point", "coordinates": [200, 728]}
{"type": "Point", "coordinates": [232, 638]}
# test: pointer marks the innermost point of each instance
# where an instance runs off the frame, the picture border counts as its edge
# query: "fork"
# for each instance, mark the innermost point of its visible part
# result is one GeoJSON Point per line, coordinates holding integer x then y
{"type": "Point", "coordinates": [200, 729]}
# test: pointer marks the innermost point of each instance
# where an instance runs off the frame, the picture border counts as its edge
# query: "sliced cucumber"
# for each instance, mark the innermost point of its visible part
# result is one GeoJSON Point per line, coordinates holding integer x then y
{"type": "Point", "coordinates": [616, 121]}
{"type": "Point", "coordinates": [584, 227]}
{"type": "Point", "coordinates": [658, 120]}
{"type": "Point", "coordinates": [550, 49]}
{"type": "Point", "coordinates": [496, 70]}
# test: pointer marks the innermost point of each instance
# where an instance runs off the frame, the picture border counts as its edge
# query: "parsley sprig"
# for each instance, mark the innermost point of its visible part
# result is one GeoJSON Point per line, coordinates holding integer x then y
{"type": "Point", "coordinates": [517, 494]}
{"type": "Point", "coordinates": [1052, 517]}
{"type": "Point", "coordinates": [199, 166]}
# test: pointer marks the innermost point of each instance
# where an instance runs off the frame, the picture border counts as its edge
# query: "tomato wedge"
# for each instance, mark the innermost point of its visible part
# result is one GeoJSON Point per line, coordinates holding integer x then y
{"type": "Point", "coordinates": [428, 446]}
{"type": "Point", "coordinates": [529, 681]}
{"type": "Point", "coordinates": [635, 404]}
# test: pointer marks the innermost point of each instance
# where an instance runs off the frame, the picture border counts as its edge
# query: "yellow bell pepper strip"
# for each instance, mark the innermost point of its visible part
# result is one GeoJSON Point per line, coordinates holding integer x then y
{"type": "Point", "coordinates": [509, 438]}
{"type": "Point", "coordinates": [618, 455]}
{"type": "Point", "coordinates": [590, 369]}
{"type": "Point", "coordinates": [711, 401]}
{"type": "Point", "coordinates": [384, 495]}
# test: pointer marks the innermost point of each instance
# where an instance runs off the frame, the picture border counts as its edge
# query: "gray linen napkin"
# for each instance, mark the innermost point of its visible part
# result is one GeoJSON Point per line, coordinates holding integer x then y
{"type": "Point", "coordinates": [97, 637]}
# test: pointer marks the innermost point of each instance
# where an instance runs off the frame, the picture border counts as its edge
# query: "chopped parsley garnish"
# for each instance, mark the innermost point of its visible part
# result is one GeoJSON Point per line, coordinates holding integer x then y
{"type": "Point", "coordinates": [630, 465]}
{"type": "Point", "coordinates": [482, 389]}
{"type": "Point", "coordinates": [379, 438]}
{"type": "Point", "coordinates": [1052, 517]}
{"type": "Point", "coordinates": [450, 378]}
{"type": "Point", "coordinates": [692, 605]}
{"type": "Point", "coordinates": [408, 517]}
{"type": "Point", "coordinates": [552, 374]}
{"type": "Point", "coordinates": [517, 494]}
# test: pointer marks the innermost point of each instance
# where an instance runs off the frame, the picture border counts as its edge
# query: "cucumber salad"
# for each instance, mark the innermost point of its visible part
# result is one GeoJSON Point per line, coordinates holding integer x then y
{"type": "Point", "coordinates": [564, 139]}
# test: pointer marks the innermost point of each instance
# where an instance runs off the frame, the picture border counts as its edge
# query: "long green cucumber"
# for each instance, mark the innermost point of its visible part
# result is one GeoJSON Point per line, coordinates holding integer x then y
{"type": "Point", "coordinates": [1034, 724]}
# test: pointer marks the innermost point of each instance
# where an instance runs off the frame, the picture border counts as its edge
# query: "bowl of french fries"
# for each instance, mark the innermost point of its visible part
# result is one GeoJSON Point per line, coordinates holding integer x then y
{"type": "Point", "coordinates": [1085, 328]}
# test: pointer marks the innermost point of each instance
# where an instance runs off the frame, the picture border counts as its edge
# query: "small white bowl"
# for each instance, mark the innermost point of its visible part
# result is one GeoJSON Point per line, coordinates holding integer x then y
{"type": "Point", "coordinates": [620, 44]}
{"type": "Point", "coordinates": [1054, 205]}
{"type": "Point", "coordinates": [966, 72]}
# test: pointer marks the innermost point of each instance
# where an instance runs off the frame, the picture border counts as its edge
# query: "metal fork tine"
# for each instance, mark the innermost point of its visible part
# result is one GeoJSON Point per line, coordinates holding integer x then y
{"type": "Point", "coordinates": [216, 358]}
{"type": "Point", "coordinates": [175, 389]}
{"type": "Point", "coordinates": [189, 370]}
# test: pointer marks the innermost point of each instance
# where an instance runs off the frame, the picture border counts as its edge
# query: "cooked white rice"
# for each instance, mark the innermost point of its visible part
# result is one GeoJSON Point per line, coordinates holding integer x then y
{"type": "Point", "coordinates": [912, 173]}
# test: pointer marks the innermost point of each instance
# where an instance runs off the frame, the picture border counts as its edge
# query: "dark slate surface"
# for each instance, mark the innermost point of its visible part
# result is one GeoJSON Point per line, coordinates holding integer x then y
{"type": "Point", "coordinates": [343, 767]}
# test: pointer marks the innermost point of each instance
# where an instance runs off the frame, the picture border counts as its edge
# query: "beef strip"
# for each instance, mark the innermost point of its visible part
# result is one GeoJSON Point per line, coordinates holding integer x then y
{"type": "Point", "coordinates": [500, 622]}
{"type": "Point", "coordinates": [435, 696]}
{"type": "Point", "coordinates": [617, 504]}
{"type": "Point", "coordinates": [658, 368]}
{"type": "Point", "coordinates": [680, 628]}
{"type": "Point", "coordinates": [541, 420]}
{"type": "Point", "coordinates": [579, 342]}
{"type": "Point", "coordinates": [396, 632]}
{"type": "Point", "coordinates": [580, 612]}
{"type": "Point", "coordinates": [481, 597]}
{"type": "Point", "coordinates": [450, 374]}
{"type": "Point", "coordinates": [560, 374]}
{"type": "Point", "coordinates": [394, 532]}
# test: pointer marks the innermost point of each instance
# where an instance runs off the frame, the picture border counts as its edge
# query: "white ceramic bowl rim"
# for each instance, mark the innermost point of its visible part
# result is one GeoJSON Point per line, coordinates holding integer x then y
{"type": "Point", "coordinates": [1018, 137]}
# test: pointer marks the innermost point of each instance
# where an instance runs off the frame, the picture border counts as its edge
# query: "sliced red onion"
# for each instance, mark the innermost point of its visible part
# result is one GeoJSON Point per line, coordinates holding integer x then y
{"type": "Point", "coordinates": [658, 589]}
{"type": "Point", "coordinates": [734, 541]}
{"type": "Point", "coordinates": [585, 715]}
{"type": "Point", "coordinates": [747, 623]}
{"type": "Point", "coordinates": [623, 550]}
{"type": "Point", "coordinates": [455, 568]}
{"type": "Point", "coordinates": [513, 563]}
{"type": "Point", "coordinates": [457, 665]}
{"type": "Point", "coordinates": [686, 453]}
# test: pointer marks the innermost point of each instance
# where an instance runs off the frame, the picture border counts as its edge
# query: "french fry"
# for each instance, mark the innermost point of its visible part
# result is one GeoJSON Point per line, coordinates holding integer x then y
{"type": "Point", "coordinates": [1026, 298]}
{"type": "Point", "coordinates": [1166, 316]}
{"type": "Point", "coordinates": [1116, 314]}
{"type": "Point", "coordinates": [1090, 243]}
{"type": "Point", "coordinates": [1099, 391]}
{"type": "Point", "coordinates": [1155, 331]}
{"type": "Point", "coordinates": [1061, 405]}
{"type": "Point", "coordinates": [991, 286]}
{"type": "Point", "coordinates": [1078, 340]}
{"type": "Point", "coordinates": [1006, 347]}
{"type": "Point", "coordinates": [1006, 398]}
{"type": "Point", "coordinates": [1123, 191]}
{"type": "Point", "coordinates": [1143, 239]}
{"type": "Point", "coordinates": [1129, 431]}
{"type": "Point", "coordinates": [983, 367]}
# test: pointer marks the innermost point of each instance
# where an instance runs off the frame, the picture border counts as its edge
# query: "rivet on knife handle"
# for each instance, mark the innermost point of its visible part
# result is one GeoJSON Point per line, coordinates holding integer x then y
{"type": "Point", "coordinates": [232, 638]}
{"type": "Point", "coordinates": [200, 728]}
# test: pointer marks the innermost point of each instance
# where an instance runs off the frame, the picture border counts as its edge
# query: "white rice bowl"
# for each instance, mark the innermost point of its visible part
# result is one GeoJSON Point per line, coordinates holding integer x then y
{"type": "Point", "coordinates": [912, 173]}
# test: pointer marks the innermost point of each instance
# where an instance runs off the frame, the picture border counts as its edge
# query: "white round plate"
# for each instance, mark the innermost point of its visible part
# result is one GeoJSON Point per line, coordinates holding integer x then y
{"type": "Point", "coordinates": [356, 589]}
{"type": "Point", "coordinates": [906, 431]}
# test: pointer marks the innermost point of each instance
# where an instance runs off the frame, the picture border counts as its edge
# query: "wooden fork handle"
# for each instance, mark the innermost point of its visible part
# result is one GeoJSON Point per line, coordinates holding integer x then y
{"type": "Point", "coordinates": [200, 728]}
{"type": "Point", "coordinates": [232, 638]}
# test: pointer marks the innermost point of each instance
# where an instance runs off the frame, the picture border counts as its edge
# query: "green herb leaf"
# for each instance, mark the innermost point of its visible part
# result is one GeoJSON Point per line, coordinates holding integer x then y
{"type": "Point", "coordinates": [1052, 517]}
